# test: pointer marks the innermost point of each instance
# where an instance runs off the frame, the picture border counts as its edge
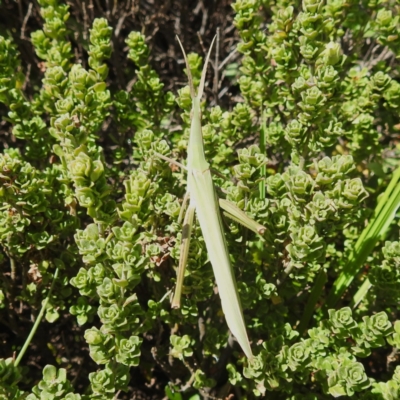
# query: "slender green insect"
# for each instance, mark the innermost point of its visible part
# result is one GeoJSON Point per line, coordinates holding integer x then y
{"type": "Point", "coordinates": [203, 201]}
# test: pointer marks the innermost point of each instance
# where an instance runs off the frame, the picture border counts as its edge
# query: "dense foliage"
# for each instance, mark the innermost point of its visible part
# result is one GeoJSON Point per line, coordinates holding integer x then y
{"type": "Point", "coordinates": [307, 148]}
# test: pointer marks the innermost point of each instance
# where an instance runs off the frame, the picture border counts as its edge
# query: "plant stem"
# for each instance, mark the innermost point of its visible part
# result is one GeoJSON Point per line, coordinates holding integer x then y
{"type": "Point", "coordinates": [263, 169]}
{"type": "Point", "coordinates": [37, 322]}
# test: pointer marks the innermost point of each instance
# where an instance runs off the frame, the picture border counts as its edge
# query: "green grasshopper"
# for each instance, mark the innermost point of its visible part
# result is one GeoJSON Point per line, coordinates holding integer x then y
{"type": "Point", "coordinates": [203, 200]}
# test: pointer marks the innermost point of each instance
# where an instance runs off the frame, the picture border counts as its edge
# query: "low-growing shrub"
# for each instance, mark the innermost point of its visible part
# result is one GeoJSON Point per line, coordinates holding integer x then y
{"type": "Point", "coordinates": [307, 145]}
